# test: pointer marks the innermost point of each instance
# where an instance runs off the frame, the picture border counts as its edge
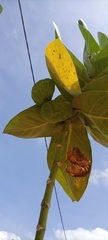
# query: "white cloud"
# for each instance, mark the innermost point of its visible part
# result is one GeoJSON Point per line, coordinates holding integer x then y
{"type": "Point", "coordinates": [8, 236]}
{"type": "Point", "coordinates": [99, 176]}
{"type": "Point", "coordinates": [30, 236]}
{"type": "Point", "coordinates": [82, 234]}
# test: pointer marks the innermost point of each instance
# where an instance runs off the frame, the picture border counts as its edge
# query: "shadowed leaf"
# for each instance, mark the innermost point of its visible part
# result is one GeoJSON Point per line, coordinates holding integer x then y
{"type": "Point", "coordinates": [97, 84]}
{"type": "Point", "coordinates": [30, 124]}
{"type": "Point", "coordinates": [95, 133]}
{"type": "Point", "coordinates": [97, 136]}
{"type": "Point", "coordinates": [56, 110]}
{"type": "Point", "coordinates": [43, 91]}
{"type": "Point", "coordinates": [76, 137]}
{"type": "Point", "coordinates": [94, 105]}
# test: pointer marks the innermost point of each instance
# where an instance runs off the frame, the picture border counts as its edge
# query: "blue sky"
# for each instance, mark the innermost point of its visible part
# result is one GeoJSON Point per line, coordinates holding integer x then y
{"type": "Point", "coordinates": [23, 167]}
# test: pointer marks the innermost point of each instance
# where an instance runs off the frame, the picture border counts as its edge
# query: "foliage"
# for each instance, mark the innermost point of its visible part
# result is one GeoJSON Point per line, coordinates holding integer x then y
{"type": "Point", "coordinates": [79, 110]}
{"type": "Point", "coordinates": [1, 8]}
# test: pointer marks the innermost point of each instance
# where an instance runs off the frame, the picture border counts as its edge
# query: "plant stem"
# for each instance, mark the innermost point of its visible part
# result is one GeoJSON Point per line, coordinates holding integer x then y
{"type": "Point", "coordinates": [45, 205]}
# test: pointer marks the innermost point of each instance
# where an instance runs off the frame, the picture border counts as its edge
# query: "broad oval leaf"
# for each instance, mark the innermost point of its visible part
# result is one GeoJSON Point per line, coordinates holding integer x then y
{"type": "Point", "coordinates": [43, 91]}
{"type": "Point", "coordinates": [61, 68]}
{"type": "Point", "coordinates": [63, 143]}
{"type": "Point", "coordinates": [56, 110]}
{"type": "Point", "coordinates": [94, 105]}
{"type": "Point", "coordinates": [30, 124]}
{"type": "Point", "coordinates": [100, 83]}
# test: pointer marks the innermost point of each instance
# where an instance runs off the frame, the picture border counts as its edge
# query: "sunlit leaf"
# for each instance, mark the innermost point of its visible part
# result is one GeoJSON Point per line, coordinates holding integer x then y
{"type": "Point", "coordinates": [86, 55]}
{"type": "Point", "coordinates": [91, 44]}
{"type": "Point", "coordinates": [80, 69]}
{"type": "Point", "coordinates": [94, 105]}
{"type": "Point", "coordinates": [43, 91]}
{"type": "Point", "coordinates": [61, 68]}
{"type": "Point", "coordinates": [100, 83]}
{"type": "Point", "coordinates": [76, 137]}
{"type": "Point", "coordinates": [103, 39]}
{"type": "Point", "coordinates": [29, 124]}
{"type": "Point", "coordinates": [56, 110]}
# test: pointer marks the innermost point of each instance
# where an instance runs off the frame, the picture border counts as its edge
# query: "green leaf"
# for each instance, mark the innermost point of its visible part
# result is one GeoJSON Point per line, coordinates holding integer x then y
{"type": "Point", "coordinates": [94, 132]}
{"type": "Point", "coordinates": [29, 124]}
{"type": "Point", "coordinates": [100, 83]}
{"type": "Point", "coordinates": [103, 39]}
{"type": "Point", "coordinates": [94, 105]}
{"type": "Point", "coordinates": [100, 66]}
{"type": "Point", "coordinates": [82, 23]}
{"type": "Point", "coordinates": [91, 46]}
{"type": "Point", "coordinates": [97, 136]}
{"type": "Point", "coordinates": [77, 138]}
{"type": "Point", "coordinates": [86, 56]}
{"type": "Point", "coordinates": [56, 110]}
{"type": "Point", "coordinates": [62, 69]}
{"type": "Point", "coordinates": [43, 91]}
{"type": "Point", "coordinates": [1, 8]}
{"type": "Point", "coordinates": [87, 61]}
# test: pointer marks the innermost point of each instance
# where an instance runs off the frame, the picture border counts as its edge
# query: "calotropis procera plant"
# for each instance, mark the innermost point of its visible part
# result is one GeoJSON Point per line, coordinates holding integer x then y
{"type": "Point", "coordinates": [79, 110]}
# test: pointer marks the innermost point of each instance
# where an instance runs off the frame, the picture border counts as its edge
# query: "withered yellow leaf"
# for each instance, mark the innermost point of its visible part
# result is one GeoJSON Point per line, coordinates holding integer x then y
{"type": "Point", "coordinates": [61, 67]}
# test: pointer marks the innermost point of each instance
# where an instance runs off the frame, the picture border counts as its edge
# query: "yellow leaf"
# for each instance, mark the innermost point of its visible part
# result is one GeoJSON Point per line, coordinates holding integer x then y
{"type": "Point", "coordinates": [61, 67]}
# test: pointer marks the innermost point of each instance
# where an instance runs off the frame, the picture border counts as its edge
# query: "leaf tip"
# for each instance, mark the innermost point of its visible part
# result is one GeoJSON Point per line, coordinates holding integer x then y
{"type": "Point", "coordinates": [4, 131]}
{"type": "Point", "coordinates": [57, 33]}
{"type": "Point", "coordinates": [81, 22]}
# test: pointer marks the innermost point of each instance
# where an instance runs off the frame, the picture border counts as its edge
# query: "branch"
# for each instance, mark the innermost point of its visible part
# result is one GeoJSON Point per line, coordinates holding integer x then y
{"type": "Point", "coordinates": [45, 205]}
